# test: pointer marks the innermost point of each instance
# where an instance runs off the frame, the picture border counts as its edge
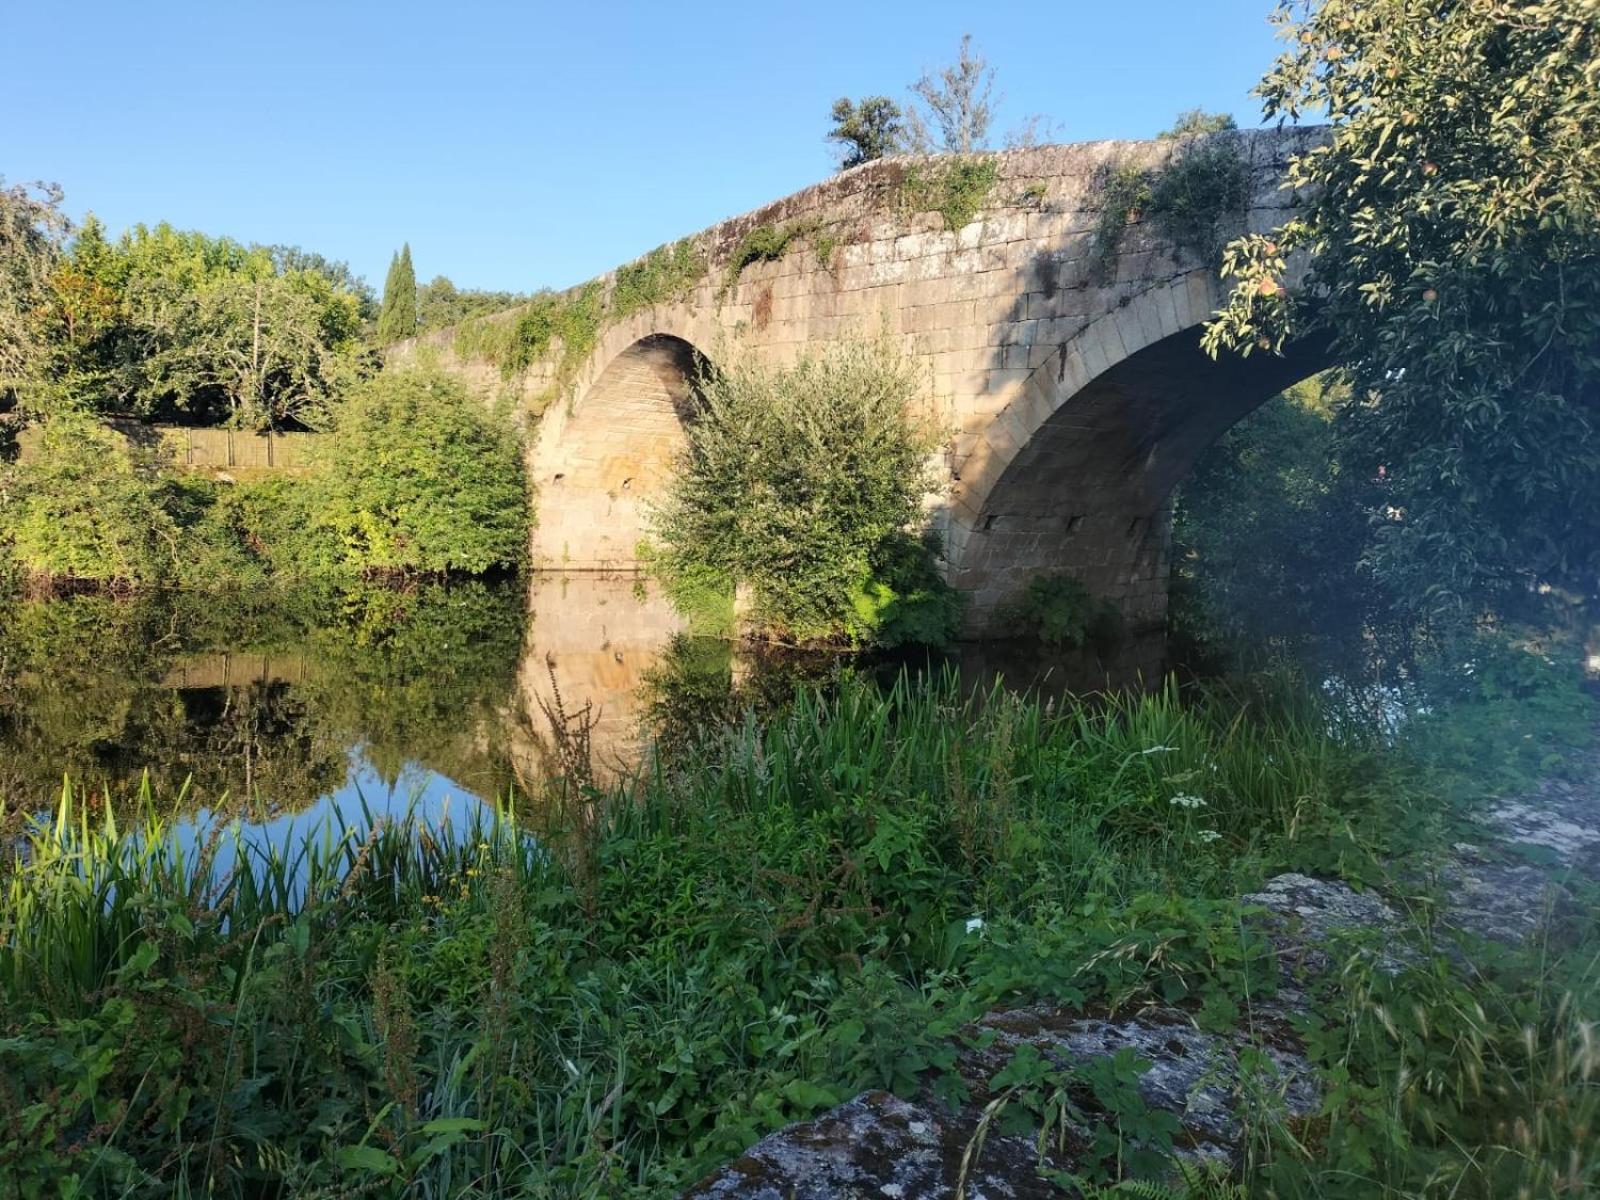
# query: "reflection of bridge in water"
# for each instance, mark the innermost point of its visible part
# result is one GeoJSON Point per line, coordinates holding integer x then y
{"type": "Point", "coordinates": [597, 640]}
{"type": "Point", "coordinates": [591, 640]}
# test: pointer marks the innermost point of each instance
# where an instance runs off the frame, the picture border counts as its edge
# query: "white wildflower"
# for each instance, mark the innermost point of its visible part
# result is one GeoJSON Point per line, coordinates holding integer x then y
{"type": "Point", "coordinates": [1190, 802]}
{"type": "Point", "coordinates": [974, 924]}
{"type": "Point", "coordinates": [1209, 835]}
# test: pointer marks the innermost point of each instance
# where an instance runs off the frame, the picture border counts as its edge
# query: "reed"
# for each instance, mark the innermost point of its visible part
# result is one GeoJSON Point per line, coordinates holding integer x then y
{"type": "Point", "coordinates": [613, 999]}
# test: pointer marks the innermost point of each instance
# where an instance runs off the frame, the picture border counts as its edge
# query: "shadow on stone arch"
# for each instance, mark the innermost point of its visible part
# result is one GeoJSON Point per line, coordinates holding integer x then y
{"type": "Point", "coordinates": [600, 461]}
{"type": "Point", "coordinates": [1089, 494]}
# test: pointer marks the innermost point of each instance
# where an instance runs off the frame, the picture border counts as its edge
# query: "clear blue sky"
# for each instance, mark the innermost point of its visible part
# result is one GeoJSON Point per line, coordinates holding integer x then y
{"type": "Point", "coordinates": [519, 145]}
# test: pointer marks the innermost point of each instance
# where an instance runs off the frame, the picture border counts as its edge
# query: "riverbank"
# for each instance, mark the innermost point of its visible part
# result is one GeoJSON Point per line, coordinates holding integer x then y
{"type": "Point", "coordinates": [778, 919]}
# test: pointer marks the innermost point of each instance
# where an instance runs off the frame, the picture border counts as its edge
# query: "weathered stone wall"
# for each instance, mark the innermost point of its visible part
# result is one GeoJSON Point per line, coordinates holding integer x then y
{"type": "Point", "coordinates": [1074, 403]}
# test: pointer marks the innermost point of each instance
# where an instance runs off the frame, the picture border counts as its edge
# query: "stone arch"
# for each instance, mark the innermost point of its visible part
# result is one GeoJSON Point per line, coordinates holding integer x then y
{"type": "Point", "coordinates": [1077, 474]}
{"type": "Point", "coordinates": [599, 460]}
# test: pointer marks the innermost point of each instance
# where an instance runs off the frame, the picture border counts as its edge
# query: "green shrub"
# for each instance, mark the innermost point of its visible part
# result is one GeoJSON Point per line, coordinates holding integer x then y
{"type": "Point", "coordinates": [905, 601]}
{"type": "Point", "coordinates": [666, 273]}
{"type": "Point", "coordinates": [418, 475]}
{"type": "Point", "coordinates": [794, 483]}
{"type": "Point", "coordinates": [88, 507]}
{"type": "Point", "coordinates": [1189, 200]}
{"type": "Point", "coordinates": [1204, 184]}
{"type": "Point", "coordinates": [256, 528]}
{"type": "Point", "coordinates": [1059, 611]}
{"type": "Point", "coordinates": [767, 243]}
{"type": "Point", "coordinates": [957, 190]}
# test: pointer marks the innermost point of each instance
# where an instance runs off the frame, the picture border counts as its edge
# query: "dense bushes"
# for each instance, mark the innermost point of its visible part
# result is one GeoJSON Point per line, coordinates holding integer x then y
{"type": "Point", "coordinates": [90, 506]}
{"type": "Point", "coordinates": [799, 484]}
{"type": "Point", "coordinates": [418, 477]}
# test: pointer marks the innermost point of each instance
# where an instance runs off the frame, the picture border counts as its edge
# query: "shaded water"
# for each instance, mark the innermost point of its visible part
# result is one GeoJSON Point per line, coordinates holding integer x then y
{"type": "Point", "coordinates": [283, 710]}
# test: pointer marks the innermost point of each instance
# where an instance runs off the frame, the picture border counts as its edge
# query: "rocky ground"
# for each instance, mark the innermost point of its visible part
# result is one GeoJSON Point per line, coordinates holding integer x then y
{"type": "Point", "coordinates": [1501, 885]}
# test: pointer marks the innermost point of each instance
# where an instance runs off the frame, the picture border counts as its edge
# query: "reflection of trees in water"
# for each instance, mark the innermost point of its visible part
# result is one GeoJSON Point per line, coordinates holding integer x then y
{"type": "Point", "coordinates": [103, 690]}
{"type": "Point", "coordinates": [422, 676]}
{"type": "Point", "coordinates": [701, 685]}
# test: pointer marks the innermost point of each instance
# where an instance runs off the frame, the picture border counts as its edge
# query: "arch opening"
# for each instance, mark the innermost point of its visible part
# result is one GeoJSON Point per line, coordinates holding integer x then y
{"type": "Point", "coordinates": [1090, 492]}
{"type": "Point", "coordinates": [600, 463]}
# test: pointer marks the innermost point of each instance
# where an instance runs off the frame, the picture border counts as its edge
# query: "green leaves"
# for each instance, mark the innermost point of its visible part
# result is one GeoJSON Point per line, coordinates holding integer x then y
{"type": "Point", "coordinates": [1453, 203]}
{"type": "Point", "coordinates": [800, 483]}
{"type": "Point", "coordinates": [419, 476]}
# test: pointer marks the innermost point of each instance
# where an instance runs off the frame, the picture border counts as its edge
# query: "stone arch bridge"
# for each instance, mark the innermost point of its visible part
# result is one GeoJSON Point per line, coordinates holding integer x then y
{"type": "Point", "coordinates": [1073, 387]}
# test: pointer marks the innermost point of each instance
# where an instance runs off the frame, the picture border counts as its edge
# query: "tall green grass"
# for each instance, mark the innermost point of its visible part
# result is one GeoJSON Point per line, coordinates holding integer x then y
{"type": "Point", "coordinates": [614, 998]}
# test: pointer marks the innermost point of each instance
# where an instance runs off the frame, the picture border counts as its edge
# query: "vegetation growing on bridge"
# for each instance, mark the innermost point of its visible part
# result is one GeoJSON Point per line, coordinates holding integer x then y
{"type": "Point", "coordinates": [570, 323]}
{"type": "Point", "coordinates": [666, 274]}
{"type": "Point", "coordinates": [803, 485]}
{"type": "Point", "coordinates": [1190, 199]}
{"type": "Point", "coordinates": [956, 189]}
{"type": "Point", "coordinates": [768, 243]}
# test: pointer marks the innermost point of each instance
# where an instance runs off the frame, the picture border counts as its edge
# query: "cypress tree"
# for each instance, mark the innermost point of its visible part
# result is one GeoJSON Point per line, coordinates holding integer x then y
{"type": "Point", "coordinates": [397, 318]}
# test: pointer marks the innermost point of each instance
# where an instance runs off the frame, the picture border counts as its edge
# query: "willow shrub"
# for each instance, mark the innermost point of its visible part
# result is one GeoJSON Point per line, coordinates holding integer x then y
{"type": "Point", "coordinates": [419, 475]}
{"type": "Point", "coordinates": [799, 485]}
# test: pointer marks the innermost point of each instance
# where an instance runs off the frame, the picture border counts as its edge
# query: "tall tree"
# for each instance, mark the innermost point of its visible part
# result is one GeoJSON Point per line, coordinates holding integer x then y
{"type": "Point", "coordinates": [1452, 230]}
{"type": "Point", "coordinates": [397, 318]}
{"type": "Point", "coordinates": [959, 102]}
{"type": "Point", "coordinates": [871, 129]}
{"type": "Point", "coordinates": [32, 228]}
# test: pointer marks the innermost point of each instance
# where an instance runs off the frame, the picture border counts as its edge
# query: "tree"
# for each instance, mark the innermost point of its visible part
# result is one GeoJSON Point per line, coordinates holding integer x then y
{"type": "Point", "coordinates": [291, 259]}
{"type": "Point", "coordinates": [441, 304]}
{"type": "Point", "coordinates": [214, 331]}
{"type": "Point", "coordinates": [871, 129]}
{"type": "Point", "coordinates": [419, 475]}
{"type": "Point", "coordinates": [1452, 236]}
{"type": "Point", "coordinates": [800, 484]}
{"type": "Point", "coordinates": [1197, 121]}
{"type": "Point", "coordinates": [32, 229]}
{"type": "Point", "coordinates": [398, 317]}
{"type": "Point", "coordinates": [960, 105]}
{"type": "Point", "coordinates": [172, 324]}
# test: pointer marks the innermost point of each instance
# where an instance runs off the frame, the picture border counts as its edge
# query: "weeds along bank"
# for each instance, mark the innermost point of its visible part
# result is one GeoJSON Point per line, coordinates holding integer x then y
{"type": "Point", "coordinates": [416, 477]}
{"type": "Point", "coordinates": [785, 915]}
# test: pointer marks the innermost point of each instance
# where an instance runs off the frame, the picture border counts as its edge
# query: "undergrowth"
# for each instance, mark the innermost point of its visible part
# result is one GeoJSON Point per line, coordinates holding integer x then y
{"type": "Point", "coordinates": [779, 917]}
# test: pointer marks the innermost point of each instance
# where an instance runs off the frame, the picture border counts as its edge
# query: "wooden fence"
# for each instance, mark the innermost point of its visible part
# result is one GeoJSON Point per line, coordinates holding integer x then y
{"type": "Point", "coordinates": [208, 449]}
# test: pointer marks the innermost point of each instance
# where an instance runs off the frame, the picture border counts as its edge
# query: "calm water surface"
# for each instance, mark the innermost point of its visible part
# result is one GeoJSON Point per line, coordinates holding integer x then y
{"type": "Point", "coordinates": [302, 711]}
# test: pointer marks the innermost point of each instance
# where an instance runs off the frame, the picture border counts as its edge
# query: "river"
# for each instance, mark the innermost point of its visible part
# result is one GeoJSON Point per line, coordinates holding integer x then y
{"type": "Point", "coordinates": [284, 710]}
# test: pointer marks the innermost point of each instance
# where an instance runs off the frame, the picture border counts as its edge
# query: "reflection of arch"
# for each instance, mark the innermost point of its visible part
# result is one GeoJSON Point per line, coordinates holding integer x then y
{"type": "Point", "coordinates": [591, 637]}
{"type": "Point", "coordinates": [1077, 474]}
{"type": "Point", "coordinates": [598, 463]}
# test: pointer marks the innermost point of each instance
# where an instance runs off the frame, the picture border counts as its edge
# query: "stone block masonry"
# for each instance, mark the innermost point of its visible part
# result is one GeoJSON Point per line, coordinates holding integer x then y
{"type": "Point", "coordinates": [1075, 399]}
